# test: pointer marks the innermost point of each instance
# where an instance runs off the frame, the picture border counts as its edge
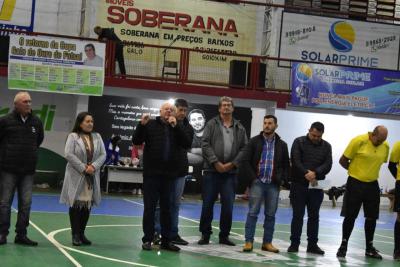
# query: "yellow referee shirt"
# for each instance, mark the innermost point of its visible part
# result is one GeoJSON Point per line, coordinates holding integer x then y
{"type": "Point", "coordinates": [395, 157]}
{"type": "Point", "coordinates": [365, 158]}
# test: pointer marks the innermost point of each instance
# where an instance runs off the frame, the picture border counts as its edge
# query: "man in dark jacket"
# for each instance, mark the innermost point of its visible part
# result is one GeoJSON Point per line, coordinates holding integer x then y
{"type": "Point", "coordinates": [266, 163]}
{"type": "Point", "coordinates": [21, 134]}
{"type": "Point", "coordinates": [108, 34]}
{"type": "Point", "coordinates": [311, 158]}
{"type": "Point", "coordinates": [163, 138]}
{"type": "Point", "coordinates": [223, 141]}
{"type": "Point", "coordinates": [178, 184]}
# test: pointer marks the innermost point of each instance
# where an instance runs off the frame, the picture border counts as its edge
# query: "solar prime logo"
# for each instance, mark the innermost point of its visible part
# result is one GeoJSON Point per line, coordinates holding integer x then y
{"type": "Point", "coordinates": [342, 36]}
{"type": "Point", "coordinates": [304, 72]}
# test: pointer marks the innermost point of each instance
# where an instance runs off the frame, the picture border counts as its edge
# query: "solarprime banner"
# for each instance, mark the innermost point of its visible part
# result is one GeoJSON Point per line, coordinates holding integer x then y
{"type": "Point", "coordinates": [339, 41]}
{"type": "Point", "coordinates": [345, 88]}
{"type": "Point", "coordinates": [56, 65]}
{"type": "Point", "coordinates": [205, 25]}
{"type": "Point", "coordinates": [17, 15]}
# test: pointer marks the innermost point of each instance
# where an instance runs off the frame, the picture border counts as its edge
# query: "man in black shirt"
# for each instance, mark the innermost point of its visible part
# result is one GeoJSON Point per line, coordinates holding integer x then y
{"type": "Point", "coordinates": [106, 34]}
{"type": "Point", "coordinates": [21, 134]}
{"type": "Point", "coordinates": [164, 139]}
{"type": "Point", "coordinates": [311, 158]}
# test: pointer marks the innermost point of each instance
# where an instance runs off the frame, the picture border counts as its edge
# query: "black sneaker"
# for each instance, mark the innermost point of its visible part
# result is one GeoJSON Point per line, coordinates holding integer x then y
{"type": "Point", "coordinates": [169, 246]}
{"type": "Point", "coordinates": [315, 249]}
{"type": "Point", "coordinates": [204, 240]}
{"type": "Point", "coordinates": [76, 240]}
{"type": "Point", "coordinates": [146, 246]}
{"type": "Point", "coordinates": [179, 241]}
{"type": "Point", "coordinates": [373, 253]}
{"type": "Point", "coordinates": [157, 239]}
{"type": "Point", "coordinates": [341, 253]}
{"type": "Point", "coordinates": [226, 241]}
{"type": "Point", "coordinates": [24, 240]}
{"type": "Point", "coordinates": [396, 255]}
{"type": "Point", "coordinates": [293, 248]}
{"type": "Point", "coordinates": [85, 241]}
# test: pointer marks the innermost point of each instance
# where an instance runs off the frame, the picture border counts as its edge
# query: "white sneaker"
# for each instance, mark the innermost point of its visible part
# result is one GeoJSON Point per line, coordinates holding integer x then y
{"type": "Point", "coordinates": [139, 191]}
{"type": "Point", "coordinates": [134, 191]}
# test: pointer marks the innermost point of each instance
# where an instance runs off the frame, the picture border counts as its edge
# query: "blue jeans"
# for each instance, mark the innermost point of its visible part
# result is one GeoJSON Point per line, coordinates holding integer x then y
{"type": "Point", "coordinates": [224, 184]}
{"type": "Point", "coordinates": [300, 198]}
{"type": "Point", "coordinates": [269, 194]}
{"type": "Point", "coordinates": [9, 182]}
{"type": "Point", "coordinates": [178, 185]}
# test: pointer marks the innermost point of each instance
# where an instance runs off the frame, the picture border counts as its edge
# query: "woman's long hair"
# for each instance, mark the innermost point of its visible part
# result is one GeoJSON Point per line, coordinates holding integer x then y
{"type": "Point", "coordinates": [79, 119]}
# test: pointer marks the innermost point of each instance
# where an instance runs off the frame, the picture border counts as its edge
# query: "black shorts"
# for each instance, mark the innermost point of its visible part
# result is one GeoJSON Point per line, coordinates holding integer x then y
{"type": "Point", "coordinates": [361, 193]}
{"type": "Point", "coordinates": [396, 206]}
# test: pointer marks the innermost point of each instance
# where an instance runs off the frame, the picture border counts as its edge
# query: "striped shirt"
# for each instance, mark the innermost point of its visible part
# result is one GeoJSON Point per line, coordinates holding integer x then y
{"type": "Point", "coordinates": [266, 164]}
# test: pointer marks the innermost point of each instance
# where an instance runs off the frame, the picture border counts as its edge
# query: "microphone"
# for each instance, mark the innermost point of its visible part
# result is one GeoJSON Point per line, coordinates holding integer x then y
{"type": "Point", "coordinates": [173, 41]}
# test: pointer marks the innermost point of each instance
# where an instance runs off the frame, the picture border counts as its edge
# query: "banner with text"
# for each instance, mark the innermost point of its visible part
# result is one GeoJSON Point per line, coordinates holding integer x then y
{"type": "Point", "coordinates": [56, 65]}
{"type": "Point", "coordinates": [229, 28]}
{"type": "Point", "coordinates": [339, 41]}
{"type": "Point", "coordinates": [345, 88]}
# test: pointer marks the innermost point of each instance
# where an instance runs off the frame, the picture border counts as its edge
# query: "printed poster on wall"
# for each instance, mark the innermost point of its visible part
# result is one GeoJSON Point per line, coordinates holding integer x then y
{"type": "Point", "coordinates": [339, 41]}
{"type": "Point", "coordinates": [56, 65]}
{"type": "Point", "coordinates": [115, 115]}
{"type": "Point", "coordinates": [345, 88]}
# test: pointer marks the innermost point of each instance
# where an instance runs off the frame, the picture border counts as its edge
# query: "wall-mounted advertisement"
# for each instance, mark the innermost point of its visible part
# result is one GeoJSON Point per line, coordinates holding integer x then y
{"type": "Point", "coordinates": [339, 41]}
{"type": "Point", "coordinates": [345, 88]}
{"type": "Point", "coordinates": [17, 15]}
{"type": "Point", "coordinates": [204, 25]}
{"type": "Point", "coordinates": [227, 27]}
{"type": "Point", "coordinates": [56, 65]}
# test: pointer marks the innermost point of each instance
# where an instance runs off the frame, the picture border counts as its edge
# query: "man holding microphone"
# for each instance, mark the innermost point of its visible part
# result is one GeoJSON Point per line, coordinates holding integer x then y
{"type": "Point", "coordinates": [163, 137]}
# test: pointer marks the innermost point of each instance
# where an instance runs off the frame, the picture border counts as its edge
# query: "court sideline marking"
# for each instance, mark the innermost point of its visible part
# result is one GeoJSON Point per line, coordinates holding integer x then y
{"type": "Point", "coordinates": [56, 244]}
{"type": "Point", "coordinates": [183, 217]}
{"type": "Point", "coordinates": [239, 235]}
{"type": "Point", "coordinates": [53, 233]}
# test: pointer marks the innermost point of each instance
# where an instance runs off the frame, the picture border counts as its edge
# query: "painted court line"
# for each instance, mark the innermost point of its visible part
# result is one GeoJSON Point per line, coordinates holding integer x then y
{"type": "Point", "coordinates": [185, 218]}
{"type": "Point", "coordinates": [53, 233]}
{"type": "Point", "coordinates": [56, 244]}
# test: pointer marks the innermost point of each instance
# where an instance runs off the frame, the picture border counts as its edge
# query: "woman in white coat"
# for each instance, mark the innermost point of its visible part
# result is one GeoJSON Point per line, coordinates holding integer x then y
{"type": "Point", "coordinates": [85, 153]}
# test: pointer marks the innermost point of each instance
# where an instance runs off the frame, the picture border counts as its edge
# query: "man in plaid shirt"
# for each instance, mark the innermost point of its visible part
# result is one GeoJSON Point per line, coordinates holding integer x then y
{"type": "Point", "coordinates": [266, 162]}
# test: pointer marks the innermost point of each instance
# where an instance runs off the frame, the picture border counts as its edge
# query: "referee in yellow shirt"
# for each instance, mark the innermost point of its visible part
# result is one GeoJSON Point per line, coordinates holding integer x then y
{"type": "Point", "coordinates": [394, 162]}
{"type": "Point", "coordinates": [363, 159]}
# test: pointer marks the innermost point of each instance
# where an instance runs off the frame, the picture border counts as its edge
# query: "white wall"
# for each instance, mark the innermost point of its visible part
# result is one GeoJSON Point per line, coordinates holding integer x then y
{"type": "Point", "coordinates": [339, 130]}
{"type": "Point", "coordinates": [58, 16]}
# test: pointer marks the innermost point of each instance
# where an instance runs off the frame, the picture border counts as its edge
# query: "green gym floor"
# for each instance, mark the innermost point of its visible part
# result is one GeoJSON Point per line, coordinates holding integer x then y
{"type": "Point", "coordinates": [115, 230]}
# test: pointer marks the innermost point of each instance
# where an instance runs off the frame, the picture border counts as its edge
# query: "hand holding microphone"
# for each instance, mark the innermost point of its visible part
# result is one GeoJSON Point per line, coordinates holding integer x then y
{"type": "Point", "coordinates": [172, 121]}
{"type": "Point", "coordinates": [145, 119]}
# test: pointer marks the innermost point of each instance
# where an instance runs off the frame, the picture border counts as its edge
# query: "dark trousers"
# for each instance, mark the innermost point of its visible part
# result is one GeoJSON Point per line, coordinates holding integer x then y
{"type": "Point", "coordinates": [300, 198]}
{"type": "Point", "coordinates": [156, 189]}
{"type": "Point", "coordinates": [9, 182]}
{"type": "Point", "coordinates": [119, 56]}
{"type": "Point", "coordinates": [224, 184]}
{"type": "Point", "coordinates": [78, 217]}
